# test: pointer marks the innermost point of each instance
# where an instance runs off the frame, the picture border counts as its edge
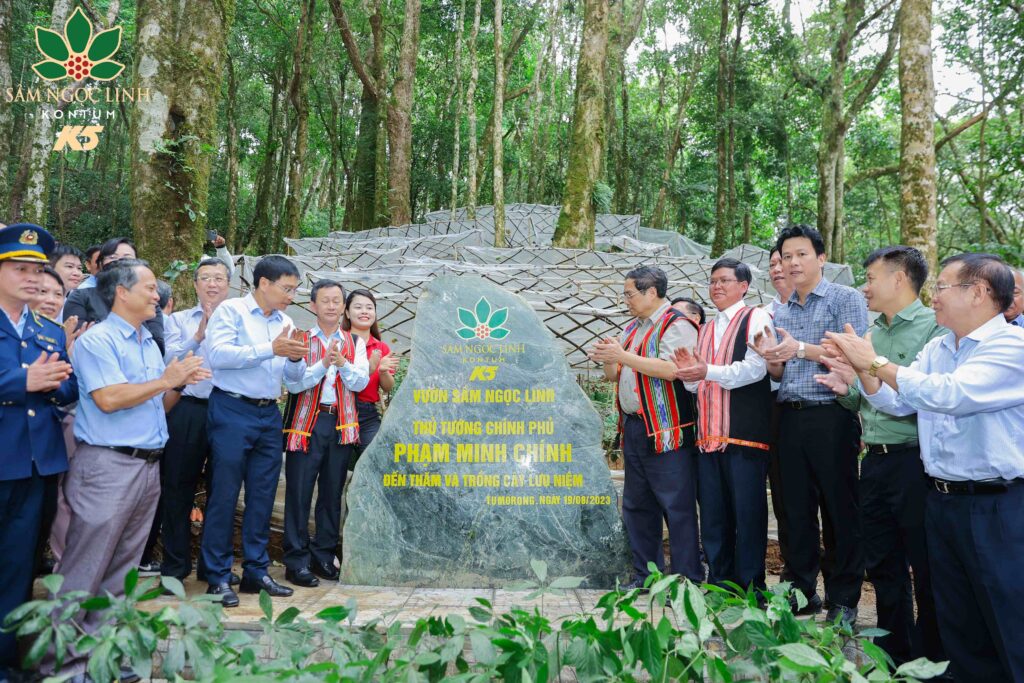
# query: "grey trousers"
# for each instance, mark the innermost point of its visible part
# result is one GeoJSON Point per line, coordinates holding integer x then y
{"type": "Point", "coordinates": [113, 498]}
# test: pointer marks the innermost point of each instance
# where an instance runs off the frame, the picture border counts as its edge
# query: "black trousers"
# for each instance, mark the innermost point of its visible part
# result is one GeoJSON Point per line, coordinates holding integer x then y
{"type": "Point", "coordinates": [185, 456]}
{"type": "Point", "coordinates": [976, 554]}
{"type": "Point", "coordinates": [369, 425]}
{"type": "Point", "coordinates": [893, 487]}
{"type": "Point", "coordinates": [734, 514]}
{"type": "Point", "coordinates": [324, 466]}
{"type": "Point", "coordinates": [660, 488]}
{"type": "Point", "coordinates": [818, 450]}
{"type": "Point", "coordinates": [21, 510]}
{"type": "Point", "coordinates": [775, 483]}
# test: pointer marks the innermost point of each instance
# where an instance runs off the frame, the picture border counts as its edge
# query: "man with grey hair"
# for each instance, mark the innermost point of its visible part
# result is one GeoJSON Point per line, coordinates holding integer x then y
{"type": "Point", "coordinates": [113, 484]}
{"type": "Point", "coordinates": [1015, 313]}
{"type": "Point", "coordinates": [656, 425]}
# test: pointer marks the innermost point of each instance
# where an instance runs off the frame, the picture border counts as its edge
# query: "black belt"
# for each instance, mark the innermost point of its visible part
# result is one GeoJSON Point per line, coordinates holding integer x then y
{"type": "Point", "coordinates": [803, 405]}
{"type": "Point", "coordinates": [147, 454]}
{"type": "Point", "coordinates": [261, 402]}
{"type": "Point", "coordinates": [886, 448]}
{"type": "Point", "coordinates": [965, 488]}
{"type": "Point", "coordinates": [195, 399]}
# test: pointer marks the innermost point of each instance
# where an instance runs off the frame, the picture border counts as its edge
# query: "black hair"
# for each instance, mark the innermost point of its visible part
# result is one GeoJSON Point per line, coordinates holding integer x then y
{"type": "Point", "coordinates": [94, 249]}
{"type": "Point", "coordinates": [324, 284]}
{"type": "Point", "coordinates": [695, 308]}
{"type": "Point", "coordinates": [990, 268]}
{"type": "Point", "coordinates": [273, 268]}
{"type": "Point", "coordinates": [119, 274]}
{"type": "Point", "coordinates": [110, 247]}
{"type": "Point", "coordinates": [774, 250]}
{"type": "Point", "coordinates": [165, 293]}
{"type": "Point", "coordinates": [908, 259]}
{"type": "Point", "coordinates": [801, 230]}
{"type": "Point", "coordinates": [346, 324]}
{"type": "Point", "coordinates": [645, 277]}
{"type": "Point", "coordinates": [742, 270]}
{"type": "Point", "coordinates": [213, 261]}
{"type": "Point", "coordinates": [56, 276]}
{"type": "Point", "coordinates": [61, 250]}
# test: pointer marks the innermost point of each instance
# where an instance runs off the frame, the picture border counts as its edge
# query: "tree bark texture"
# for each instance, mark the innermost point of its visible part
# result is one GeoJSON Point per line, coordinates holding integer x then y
{"type": "Point", "coordinates": [457, 126]}
{"type": "Point", "coordinates": [6, 111]}
{"type": "Point", "coordinates": [474, 77]}
{"type": "Point", "coordinates": [399, 119]}
{"type": "Point", "coordinates": [718, 242]}
{"type": "Point", "coordinates": [231, 152]}
{"type": "Point", "coordinates": [299, 98]}
{"type": "Point", "coordinates": [498, 145]}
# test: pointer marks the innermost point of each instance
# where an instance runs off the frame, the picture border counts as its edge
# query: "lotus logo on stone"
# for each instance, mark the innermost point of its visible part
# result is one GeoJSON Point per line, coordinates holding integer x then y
{"type": "Point", "coordinates": [481, 323]}
{"type": "Point", "coordinates": [78, 54]}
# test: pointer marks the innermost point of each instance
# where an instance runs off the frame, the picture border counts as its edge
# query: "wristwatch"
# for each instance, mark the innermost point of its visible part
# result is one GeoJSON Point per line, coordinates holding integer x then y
{"type": "Point", "coordinates": [801, 350]}
{"type": "Point", "coordinates": [877, 364]}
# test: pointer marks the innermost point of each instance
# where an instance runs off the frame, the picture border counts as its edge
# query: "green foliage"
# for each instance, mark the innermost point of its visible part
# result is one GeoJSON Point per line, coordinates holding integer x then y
{"type": "Point", "coordinates": [669, 630]}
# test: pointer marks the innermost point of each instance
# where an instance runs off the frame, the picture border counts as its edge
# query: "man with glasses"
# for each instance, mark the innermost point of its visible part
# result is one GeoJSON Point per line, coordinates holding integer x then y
{"type": "Point", "coordinates": [188, 449]}
{"type": "Point", "coordinates": [656, 425]}
{"type": "Point", "coordinates": [252, 345]}
{"type": "Point", "coordinates": [966, 389]}
{"type": "Point", "coordinates": [1015, 313]}
{"type": "Point", "coordinates": [733, 429]}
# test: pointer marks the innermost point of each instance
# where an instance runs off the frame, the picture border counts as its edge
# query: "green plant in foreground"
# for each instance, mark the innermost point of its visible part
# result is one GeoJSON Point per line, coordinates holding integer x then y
{"type": "Point", "coordinates": [672, 630]}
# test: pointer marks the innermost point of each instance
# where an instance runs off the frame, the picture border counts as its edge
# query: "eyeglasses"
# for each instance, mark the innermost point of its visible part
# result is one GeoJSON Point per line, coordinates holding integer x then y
{"type": "Point", "coordinates": [290, 291]}
{"type": "Point", "coordinates": [627, 296]}
{"type": "Point", "coordinates": [721, 282]}
{"type": "Point", "coordinates": [219, 279]}
{"type": "Point", "coordinates": [939, 288]}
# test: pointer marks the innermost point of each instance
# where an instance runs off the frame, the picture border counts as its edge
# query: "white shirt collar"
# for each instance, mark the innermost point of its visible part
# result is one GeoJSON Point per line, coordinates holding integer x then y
{"type": "Point", "coordinates": [729, 313]}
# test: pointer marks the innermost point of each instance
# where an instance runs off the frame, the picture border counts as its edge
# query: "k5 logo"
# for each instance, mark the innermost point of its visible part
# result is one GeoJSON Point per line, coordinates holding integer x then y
{"type": "Point", "coordinates": [483, 373]}
{"type": "Point", "coordinates": [69, 137]}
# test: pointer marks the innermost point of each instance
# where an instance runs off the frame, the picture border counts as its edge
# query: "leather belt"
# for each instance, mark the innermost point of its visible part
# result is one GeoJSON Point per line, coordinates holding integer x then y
{"type": "Point", "coordinates": [148, 454]}
{"type": "Point", "coordinates": [195, 399]}
{"type": "Point", "coordinates": [803, 405]}
{"type": "Point", "coordinates": [261, 402]}
{"type": "Point", "coordinates": [886, 448]}
{"type": "Point", "coordinates": [966, 488]}
{"type": "Point", "coordinates": [331, 409]}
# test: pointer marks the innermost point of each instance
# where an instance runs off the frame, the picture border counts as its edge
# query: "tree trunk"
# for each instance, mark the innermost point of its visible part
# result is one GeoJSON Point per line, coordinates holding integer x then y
{"type": "Point", "coordinates": [498, 144]}
{"type": "Point", "coordinates": [575, 227]}
{"type": "Point", "coordinates": [917, 132]}
{"type": "Point", "coordinates": [457, 124]}
{"type": "Point", "coordinates": [298, 96]}
{"type": "Point", "coordinates": [718, 242]}
{"type": "Point", "coordinates": [6, 110]}
{"type": "Point", "coordinates": [231, 151]}
{"type": "Point", "coordinates": [262, 225]}
{"type": "Point", "coordinates": [173, 133]}
{"type": "Point", "coordinates": [399, 119]}
{"type": "Point", "coordinates": [676, 143]}
{"type": "Point", "coordinates": [474, 76]}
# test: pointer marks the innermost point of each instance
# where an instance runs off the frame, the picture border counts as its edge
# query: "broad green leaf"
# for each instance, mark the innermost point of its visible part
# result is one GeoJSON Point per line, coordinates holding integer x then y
{"type": "Point", "coordinates": [78, 30]}
{"type": "Point", "coordinates": [872, 633]}
{"type": "Point", "coordinates": [287, 616]}
{"type": "Point", "coordinates": [499, 333]}
{"type": "Point", "coordinates": [100, 602]}
{"type": "Point", "coordinates": [131, 579]}
{"type": "Point", "coordinates": [540, 568]}
{"type": "Point", "coordinates": [106, 71]}
{"type": "Point", "coordinates": [467, 318]}
{"type": "Point", "coordinates": [801, 654]}
{"type": "Point", "coordinates": [483, 309]}
{"type": "Point", "coordinates": [922, 668]}
{"type": "Point", "coordinates": [51, 71]}
{"type": "Point", "coordinates": [498, 318]}
{"type": "Point", "coordinates": [53, 582]}
{"type": "Point", "coordinates": [567, 582]}
{"type": "Point", "coordinates": [483, 650]}
{"type": "Point", "coordinates": [266, 605]}
{"type": "Point", "coordinates": [174, 585]}
{"type": "Point", "coordinates": [426, 659]}
{"type": "Point", "coordinates": [333, 614]}
{"type": "Point", "coordinates": [39, 647]}
{"type": "Point", "coordinates": [480, 614]}
{"type": "Point", "coordinates": [466, 333]}
{"type": "Point", "coordinates": [649, 650]}
{"type": "Point", "coordinates": [878, 655]}
{"type": "Point", "coordinates": [52, 44]}
{"type": "Point", "coordinates": [105, 44]}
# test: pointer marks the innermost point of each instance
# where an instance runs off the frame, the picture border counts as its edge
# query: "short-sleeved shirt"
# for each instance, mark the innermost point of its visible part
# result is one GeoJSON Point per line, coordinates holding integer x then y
{"type": "Point", "coordinates": [371, 394]}
{"type": "Point", "coordinates": [829, 307]}
{"type": "Point", "coordinates": [678, 335]}
{"type": "Point", "coordinates": [114, 352]}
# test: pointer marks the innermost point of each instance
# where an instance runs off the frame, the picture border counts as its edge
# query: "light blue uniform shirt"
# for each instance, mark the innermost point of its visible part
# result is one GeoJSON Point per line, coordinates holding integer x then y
{"type": "Point", "coordinates": [180, 338]}
{"type": "Point", "coordinates": [20, 325]}
{"type": "Point", "coordinates": [113, 352]}
{"type": "Point", "coordinates": [969, 403]}
{"type": "Point", "coordinates": [355, 375]}
{"type": "Point", "coordinates": [240, 340]}
{"type": "Point", "coordinates": [88, 283]}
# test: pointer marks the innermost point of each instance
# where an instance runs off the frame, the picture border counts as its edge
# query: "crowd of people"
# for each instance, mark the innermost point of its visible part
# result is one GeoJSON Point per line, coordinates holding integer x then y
{"type": "Point", "coordinates": [119, 409]}
{"type": "Point", "coordinates": [897, 442]}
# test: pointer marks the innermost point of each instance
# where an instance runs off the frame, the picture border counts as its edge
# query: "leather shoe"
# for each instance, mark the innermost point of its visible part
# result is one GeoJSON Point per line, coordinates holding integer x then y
{"type": "Point", "coordinates": [847, 616]}
{"type": "Point", "coordinates": [324, 570]}
{"type": "Point", "coordinates": [813, 605]}
{"type": "Point", "coordinates": [265, 583]}
{"type": "Point", "coordinates": [228, 597]}
{"type": "Point", "coordinates": [302, 577]}
{"type": "Point", "coordinates": [234, 580]}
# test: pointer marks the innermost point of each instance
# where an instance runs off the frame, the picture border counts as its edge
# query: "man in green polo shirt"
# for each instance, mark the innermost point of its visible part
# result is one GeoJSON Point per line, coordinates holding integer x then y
{"type": "Point", "coordinates": [892, 478]}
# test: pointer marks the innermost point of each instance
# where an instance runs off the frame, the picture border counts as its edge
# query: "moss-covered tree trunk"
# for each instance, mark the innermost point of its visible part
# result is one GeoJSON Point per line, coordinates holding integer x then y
{"type": "Point", "coordinates": [399, 120]}
{"type": "Point", "coordinates": [457, 125]}
{"type": "Point", "coordinates": [499, 128]}
{"type": "Point", "coordinates": [718, 241]}
{"type": "Point", "coordinates": [231, 152]}
{"type": "Point", "coordinates": [575, 227]}
{"type": "Point", "coordinates": [474, 76]}
{"type": "Point", "coordinates": [917, 132]}
{"type": "Point", "coordinates": [6, 111]}
{"type": "Point", "coordinates": [299, 97]}
{"type": "Point", "coordinates": [180, 54]}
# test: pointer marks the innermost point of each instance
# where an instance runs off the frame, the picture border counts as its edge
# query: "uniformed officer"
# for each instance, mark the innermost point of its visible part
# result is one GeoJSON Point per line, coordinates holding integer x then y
{"type": "Point", "coordinates": [35, 377]}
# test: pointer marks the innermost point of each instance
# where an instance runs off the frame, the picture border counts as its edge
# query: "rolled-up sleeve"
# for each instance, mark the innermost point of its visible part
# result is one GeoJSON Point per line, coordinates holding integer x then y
{"type": "Point", "coordinates": [222, 340]}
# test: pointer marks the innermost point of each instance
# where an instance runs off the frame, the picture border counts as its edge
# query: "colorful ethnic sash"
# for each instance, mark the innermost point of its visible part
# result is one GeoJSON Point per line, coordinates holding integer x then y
{"type": "Point", "coordinates": [663, 405]}
{"type": "Point", "coordinates": [303, 408]}
{"type": "Point", "coordinates": [714, 402]}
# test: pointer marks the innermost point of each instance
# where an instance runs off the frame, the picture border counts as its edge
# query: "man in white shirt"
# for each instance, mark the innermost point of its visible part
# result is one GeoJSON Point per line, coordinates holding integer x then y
{"type": "Point", "coordinates": [734, 411]}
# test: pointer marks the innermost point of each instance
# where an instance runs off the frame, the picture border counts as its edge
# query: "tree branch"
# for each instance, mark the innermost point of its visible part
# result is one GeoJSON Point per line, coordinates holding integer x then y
{"type": "Point", "coordinates": [347, 37]}
{"type": "Point", "coordinates": [876, 74]}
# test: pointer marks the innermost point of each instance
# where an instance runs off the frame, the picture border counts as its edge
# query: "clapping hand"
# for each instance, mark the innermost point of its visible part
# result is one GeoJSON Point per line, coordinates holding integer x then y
{"type": "Point", "coordinates": [783, 351]}
{"type": "Point", "coordinates": [46, 373]}
{"type": "Point", "coordinates": [290, 344]}
{"type": "Point", "coordinates": [858, 352]}
{"type": "Point", "coordinates": [187, 370]}
{"type": "Point", "coordinates": [840, 376]}
{"type": "Point", "coordinates": [690, 367]}
{"type": "Point", "coordinates": [72, 332]}
{"type": "Point", "coordinates": [330, 356]}
{"type": "Point", "coordinates": [388, 363]}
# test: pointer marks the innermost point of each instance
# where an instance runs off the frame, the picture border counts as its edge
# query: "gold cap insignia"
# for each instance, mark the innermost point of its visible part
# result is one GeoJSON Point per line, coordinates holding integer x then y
{"type": "Point", "coordinates": [29, 237]}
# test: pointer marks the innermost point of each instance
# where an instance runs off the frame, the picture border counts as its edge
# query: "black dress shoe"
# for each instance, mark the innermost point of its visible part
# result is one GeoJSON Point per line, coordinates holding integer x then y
{"type": "Point", "coordinates": [813, 605]}
{"type": "Point", "coordinates": [234, 580]}
{"type": "Point", "coordinates": [324, 570]}
{"type": "Point", "coordinates": [228, 597]}
{"type": "Point", "coordinates": [302, 577]}
{"type": "Point", "coordinates": [273, 588]}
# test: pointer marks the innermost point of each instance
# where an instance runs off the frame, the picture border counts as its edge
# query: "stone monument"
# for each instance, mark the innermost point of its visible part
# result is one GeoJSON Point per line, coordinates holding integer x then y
{"type": "Point", "coordinates": [489, 456]}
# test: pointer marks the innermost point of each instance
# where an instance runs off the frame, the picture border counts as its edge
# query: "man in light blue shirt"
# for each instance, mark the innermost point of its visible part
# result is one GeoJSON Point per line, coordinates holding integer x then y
{"type": "Point", "coordinates": [252, 347]}
{"type": "Point", "coordinates": [967, 391]}
{"type": "Point", "coordinates": [321, 431]}
{"type": "Point", "coordinates": [1015, 313]}
{"type": "Point", "coordinates": [113, 484]}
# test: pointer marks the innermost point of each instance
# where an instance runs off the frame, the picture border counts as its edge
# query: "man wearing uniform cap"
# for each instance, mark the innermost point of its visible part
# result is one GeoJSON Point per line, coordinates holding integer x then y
{"type": "Point", "coordinates": [35, 377]}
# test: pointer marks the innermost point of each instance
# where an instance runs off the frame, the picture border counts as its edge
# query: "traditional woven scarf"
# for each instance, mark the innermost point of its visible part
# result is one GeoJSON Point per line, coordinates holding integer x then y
{"type": "Point", "coordinates": [304, 407]}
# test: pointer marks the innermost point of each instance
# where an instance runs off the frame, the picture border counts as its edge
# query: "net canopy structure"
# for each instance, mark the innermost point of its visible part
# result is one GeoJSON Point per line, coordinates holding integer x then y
{"type": "Point", "coordinates": [575, 292]}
